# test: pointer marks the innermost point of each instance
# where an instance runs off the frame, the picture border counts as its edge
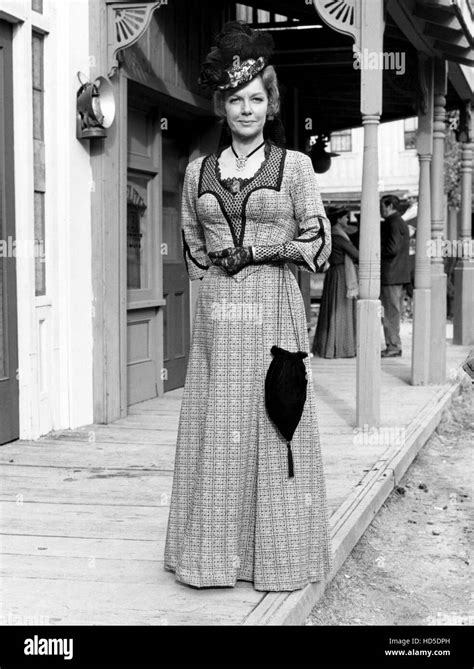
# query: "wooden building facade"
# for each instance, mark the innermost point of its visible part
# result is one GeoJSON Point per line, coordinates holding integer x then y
{"type": "Point", "coordinates": [323, 89]}
{"type": "Point", "coordinates": [143, 296]}
{"type": "Point", "coordinates": [105, 321]}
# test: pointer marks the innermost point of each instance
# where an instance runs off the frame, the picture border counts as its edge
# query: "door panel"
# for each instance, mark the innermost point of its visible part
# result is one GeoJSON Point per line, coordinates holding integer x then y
{"type": "Point", "coordinates": [158, 309]}
{"type": "Point", "coordinates": [9, 408]}
{"type": "Point", "coordinates": [141, 342]}
{"type": "Point", "coordinates": [144, 289]}
{"type": "Point", "coordinates": [176, 317]}
{"type": "Point", "coordinates": [143, 350]}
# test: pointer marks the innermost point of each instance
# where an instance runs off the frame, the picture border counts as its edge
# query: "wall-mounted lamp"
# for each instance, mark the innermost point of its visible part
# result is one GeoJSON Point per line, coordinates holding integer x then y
{"type": "Point", "coordinates": [95, 107]}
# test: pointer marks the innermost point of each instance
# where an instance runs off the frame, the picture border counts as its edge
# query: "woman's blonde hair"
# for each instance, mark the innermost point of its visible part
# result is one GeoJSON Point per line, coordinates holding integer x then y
{"type": "Point", "coordinates": [270, 83]}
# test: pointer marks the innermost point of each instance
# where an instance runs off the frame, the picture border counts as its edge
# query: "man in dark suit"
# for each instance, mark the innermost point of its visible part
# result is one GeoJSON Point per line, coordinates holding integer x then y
{"type": "Point", "coordinates": [395, 271]}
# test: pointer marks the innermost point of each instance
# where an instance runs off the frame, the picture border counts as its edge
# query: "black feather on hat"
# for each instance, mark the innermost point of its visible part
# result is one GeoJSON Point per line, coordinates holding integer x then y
{"type": "Point", "coordinates": [234, 45]}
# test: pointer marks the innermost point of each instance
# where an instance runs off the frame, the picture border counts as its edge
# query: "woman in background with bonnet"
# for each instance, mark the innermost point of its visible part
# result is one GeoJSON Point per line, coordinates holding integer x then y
{"type": "Point", "coordinates": [335, 335]}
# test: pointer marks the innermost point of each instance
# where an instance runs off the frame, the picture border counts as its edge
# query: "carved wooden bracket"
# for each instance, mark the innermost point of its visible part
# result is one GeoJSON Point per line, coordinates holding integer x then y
{"type": "Point", "coordinates": [342, 15]}
{"type": "Point", "coordinates": [364, 21]}
{"type": "Point", "coordinates": [126, 23]}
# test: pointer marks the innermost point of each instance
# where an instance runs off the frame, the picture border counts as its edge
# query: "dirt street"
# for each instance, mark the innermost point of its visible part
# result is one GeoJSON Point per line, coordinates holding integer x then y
{"type": "Point", "coordinates": [413, 565]}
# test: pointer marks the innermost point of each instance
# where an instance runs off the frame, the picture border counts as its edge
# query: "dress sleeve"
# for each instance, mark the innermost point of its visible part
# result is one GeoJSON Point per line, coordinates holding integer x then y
{"type": "Point", "coordinates": [192, 234]}
{"type": "Point", "coordinates": [313, 244]}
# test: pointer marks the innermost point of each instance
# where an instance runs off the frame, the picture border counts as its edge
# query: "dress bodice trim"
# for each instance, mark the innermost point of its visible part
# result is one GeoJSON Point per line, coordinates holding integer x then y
{"type": "Point", "coordinates": [233, 205]}
{"type": "Point", "coordinates": [243, 181]}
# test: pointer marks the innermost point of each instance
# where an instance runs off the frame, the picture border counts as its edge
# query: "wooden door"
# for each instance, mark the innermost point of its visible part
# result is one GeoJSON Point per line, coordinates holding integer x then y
{"type": "Point", "coordinates": [176, 314]}
{"type": "Point", "coordinates": [144, 286]}
{"type": "Point", "coordinates": [9, 408]}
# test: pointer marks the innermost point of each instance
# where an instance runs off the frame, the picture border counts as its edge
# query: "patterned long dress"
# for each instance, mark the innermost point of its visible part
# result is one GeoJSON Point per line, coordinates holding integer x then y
{"type": "Point", "coordinates": [234, 513]}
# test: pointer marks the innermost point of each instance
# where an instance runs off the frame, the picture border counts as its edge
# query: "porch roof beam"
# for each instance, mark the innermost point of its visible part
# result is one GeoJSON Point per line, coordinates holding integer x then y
{"type": "Point", "coordinates": [436, 15]}
{"type": "Point", "coordinates": [403, 14]}
{"type": "Point", "coordinates": [442, 11]}
{"type": "Point", "coordinates": [453, 52]}
{"type": "Point", "coordinates": [460, 82]}
{"type": "Point", "coordinates": [444, 34]}
{"type": "Point", "coordinates": [427, 24]}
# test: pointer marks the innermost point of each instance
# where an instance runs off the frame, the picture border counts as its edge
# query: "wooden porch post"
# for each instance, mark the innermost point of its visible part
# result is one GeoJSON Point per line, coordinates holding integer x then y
{"type": "Point", "coordinates": [366, 25]}
{"type": "Point", "coordinates": [464, 271]}
{"type": "Point", "coordinates": [452, 223]}
{"type": "Point", "coordinates": [368, 305]}
{"type": "Point", "coordinates": [438, 214]}
{"type": "Point", "coordinates": [422, 292]}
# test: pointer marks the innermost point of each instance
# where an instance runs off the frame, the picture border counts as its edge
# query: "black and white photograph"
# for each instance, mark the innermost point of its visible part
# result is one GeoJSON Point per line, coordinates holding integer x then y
{"type": "Point", "coordinates": [237, 326]}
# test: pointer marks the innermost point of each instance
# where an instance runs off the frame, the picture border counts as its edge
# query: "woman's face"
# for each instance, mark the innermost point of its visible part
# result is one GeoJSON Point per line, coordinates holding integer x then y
{"type": "Point", "coordinates": [246, 109]}
{"type": "Point", "coordinates": [343, 220]}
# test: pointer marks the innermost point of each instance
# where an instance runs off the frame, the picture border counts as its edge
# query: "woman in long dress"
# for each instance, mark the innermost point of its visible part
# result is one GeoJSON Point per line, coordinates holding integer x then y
{"type": "Point", "coordinates": [247, 210]}
{"type": "Point", "coordinates": [335, 335]}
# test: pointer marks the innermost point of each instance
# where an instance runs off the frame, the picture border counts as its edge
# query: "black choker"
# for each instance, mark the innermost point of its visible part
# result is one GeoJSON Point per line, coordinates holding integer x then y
{"type": "Point", "coordinates": [241, 161]}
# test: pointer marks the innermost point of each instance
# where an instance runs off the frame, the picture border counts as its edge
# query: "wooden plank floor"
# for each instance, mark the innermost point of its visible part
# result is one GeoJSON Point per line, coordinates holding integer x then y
{"type": "Point", "coordinates": [84, 512]}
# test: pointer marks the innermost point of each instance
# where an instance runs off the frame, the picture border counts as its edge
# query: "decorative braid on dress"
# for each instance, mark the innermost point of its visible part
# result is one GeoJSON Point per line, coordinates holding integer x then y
{"type": "Point", "coordinates": [283, 252]}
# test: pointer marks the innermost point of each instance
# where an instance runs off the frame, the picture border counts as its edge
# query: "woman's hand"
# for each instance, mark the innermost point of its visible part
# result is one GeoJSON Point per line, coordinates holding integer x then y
{"type": "Point", "coordinates": [232, 259]}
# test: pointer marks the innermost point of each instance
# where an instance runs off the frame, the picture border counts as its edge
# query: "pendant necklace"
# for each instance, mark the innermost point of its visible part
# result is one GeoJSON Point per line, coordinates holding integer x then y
{"type": "Point", "coordinates": [240, 162]}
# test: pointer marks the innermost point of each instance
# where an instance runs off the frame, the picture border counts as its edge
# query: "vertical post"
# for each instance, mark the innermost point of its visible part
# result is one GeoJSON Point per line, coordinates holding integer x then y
{"type": "Point", "coordinates": [438, 210]}
{"type": "Point", "coordinates": [464, 271]}
{"type": "Point", "coordinates": [109, 242]}
{"type": "Point", "coordinates": [368, 305]}
{"type": "Point", "coordinates": [421, 293]}
{"type": "Point", "coordinates": [452, 223]}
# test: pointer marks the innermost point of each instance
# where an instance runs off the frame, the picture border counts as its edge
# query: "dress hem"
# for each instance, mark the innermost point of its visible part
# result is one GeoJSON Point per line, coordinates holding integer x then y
{"type": "Point", "coordinates": [230, 582]}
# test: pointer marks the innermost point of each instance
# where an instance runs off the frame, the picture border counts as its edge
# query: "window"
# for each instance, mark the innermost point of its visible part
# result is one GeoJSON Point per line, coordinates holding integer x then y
{"type": "Point", "coordinates": [138, 227]}
{"type": "Point", "coordinates": [37, 6]}
{"type": "Point", "coordinates": [37, 51]}
{"type": "Point", "coordinates": [254, 15]}
{"type": "Point", "coordinates": [341, 141]}
{"type": "Point", "coordinates": [244, 13]}
{"type": "Point", "coordinates": [410, 126]}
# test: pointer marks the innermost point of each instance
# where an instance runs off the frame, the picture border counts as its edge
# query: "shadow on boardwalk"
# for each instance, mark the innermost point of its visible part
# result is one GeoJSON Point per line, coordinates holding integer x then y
{"type": "Point", "coordinates": [84, 512]}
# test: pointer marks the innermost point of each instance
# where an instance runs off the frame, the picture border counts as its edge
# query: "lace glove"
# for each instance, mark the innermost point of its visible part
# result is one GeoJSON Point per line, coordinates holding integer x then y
{"type": "Point", "coordinates": [232, 259]}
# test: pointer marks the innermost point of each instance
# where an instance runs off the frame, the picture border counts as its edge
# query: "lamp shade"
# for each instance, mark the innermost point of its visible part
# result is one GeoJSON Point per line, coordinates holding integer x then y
{"type": "Point", "coordinates": [95, 106]}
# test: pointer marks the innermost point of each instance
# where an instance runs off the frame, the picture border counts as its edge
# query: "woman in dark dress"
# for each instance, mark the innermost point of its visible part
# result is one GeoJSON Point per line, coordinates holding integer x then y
{"type": "Point", "coordinates": [335, 335]}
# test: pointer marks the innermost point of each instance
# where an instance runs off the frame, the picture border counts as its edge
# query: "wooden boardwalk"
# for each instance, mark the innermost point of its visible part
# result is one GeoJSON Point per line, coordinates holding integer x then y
{"type": "Point", "coordinates": [84, 512]}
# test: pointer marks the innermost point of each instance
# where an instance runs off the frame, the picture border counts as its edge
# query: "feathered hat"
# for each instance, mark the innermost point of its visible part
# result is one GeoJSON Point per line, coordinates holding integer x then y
{"type": "Point", "coordinates": [239, 54]}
